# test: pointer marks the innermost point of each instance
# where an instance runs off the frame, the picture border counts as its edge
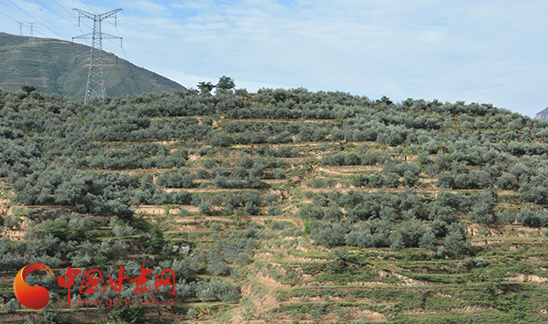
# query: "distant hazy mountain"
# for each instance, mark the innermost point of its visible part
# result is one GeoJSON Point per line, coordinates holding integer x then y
{"type": "Point", "coordinates": [57, 66]}
{"type": "Point", "coordinates": [542, 115]}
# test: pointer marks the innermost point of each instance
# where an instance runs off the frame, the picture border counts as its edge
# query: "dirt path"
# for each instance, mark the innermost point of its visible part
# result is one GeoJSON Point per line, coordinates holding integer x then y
{"type": "Point", "coordinates": [205, 189]}
{"type": "Point", "coordinates": [192, 219]}
{"type": "Point", "coordinates": [346, 169]}
{"type": "Point", "coordinates": [467, 309]}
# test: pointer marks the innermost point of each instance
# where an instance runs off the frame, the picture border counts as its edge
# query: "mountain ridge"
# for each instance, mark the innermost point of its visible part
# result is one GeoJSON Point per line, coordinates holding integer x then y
{"type": "Point", "coordinates": [57, 66]}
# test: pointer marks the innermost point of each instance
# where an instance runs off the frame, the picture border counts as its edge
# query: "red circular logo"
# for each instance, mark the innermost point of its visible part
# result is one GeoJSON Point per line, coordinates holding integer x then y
{"type": "Point", "coordinates": [35, 297]}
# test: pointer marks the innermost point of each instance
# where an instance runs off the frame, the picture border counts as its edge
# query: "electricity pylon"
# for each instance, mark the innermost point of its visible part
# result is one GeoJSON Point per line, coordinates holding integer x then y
{"type": "Point", "coordinates": [31, 37]}
{"type": "Point", "coordinates": [95, 87]}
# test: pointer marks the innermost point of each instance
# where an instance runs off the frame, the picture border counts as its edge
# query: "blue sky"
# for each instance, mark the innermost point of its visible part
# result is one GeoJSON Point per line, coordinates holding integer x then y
{"type": "Point", "coordinates": [492, 51]}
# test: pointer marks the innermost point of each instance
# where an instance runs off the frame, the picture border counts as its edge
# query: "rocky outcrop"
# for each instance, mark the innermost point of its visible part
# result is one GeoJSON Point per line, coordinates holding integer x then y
{"type": "Point", "coordinates": [542, 115]}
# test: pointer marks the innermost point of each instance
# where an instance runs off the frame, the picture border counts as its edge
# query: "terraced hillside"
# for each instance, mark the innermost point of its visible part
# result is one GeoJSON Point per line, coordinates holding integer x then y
{"type": "Point", "coordinates": [285, 206]}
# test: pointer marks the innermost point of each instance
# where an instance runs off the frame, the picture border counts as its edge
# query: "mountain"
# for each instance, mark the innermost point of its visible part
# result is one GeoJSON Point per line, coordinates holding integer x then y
{"type": "Point", "coordinates": [542, 115]}
{"type": "Point", "coordinates": [57, 66]}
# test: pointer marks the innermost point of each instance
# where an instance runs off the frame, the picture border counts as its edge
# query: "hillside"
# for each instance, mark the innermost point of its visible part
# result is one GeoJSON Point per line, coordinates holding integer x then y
{"type": "Point", "coordinates": [284, 206]}
{"type": "Point", "coordinates": [56, 66]}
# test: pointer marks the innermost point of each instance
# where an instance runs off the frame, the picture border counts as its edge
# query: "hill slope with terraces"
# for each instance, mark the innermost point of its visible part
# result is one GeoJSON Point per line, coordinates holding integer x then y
{"type": "Point", "coordinates": [284, 206]}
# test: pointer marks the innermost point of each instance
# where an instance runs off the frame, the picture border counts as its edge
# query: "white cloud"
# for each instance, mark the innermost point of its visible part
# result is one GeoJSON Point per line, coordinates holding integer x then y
{"type": "Point", "coordinates": [148, 7]}
{"type": "Point", "coordinates": [193, 4]}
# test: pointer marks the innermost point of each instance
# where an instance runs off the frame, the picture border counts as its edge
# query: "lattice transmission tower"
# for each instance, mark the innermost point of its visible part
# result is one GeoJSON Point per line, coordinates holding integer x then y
{"type": "Point", "coordinates": [95, 87]}
{"type": "Point", "coordinates": [31, 36]}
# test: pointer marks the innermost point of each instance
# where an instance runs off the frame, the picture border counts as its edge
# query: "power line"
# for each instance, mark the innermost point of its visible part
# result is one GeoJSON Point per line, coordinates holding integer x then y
{"type": "Point", "coordinates": [39, 22]}
{"type": "Point", "coordinates": [123, 49]}
{"type": "Point", "coordinates": [90, 8]}
{"type": "Point", "coordinates": [41, 34]}
{"type": "Point", "coordinates": [10, 17]}
{"type": "Point", "coordinates": [71, 13]}
{"type": "Point", "coordinates": [56, 13]}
